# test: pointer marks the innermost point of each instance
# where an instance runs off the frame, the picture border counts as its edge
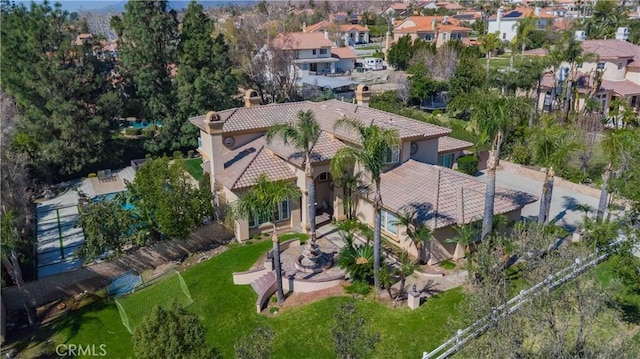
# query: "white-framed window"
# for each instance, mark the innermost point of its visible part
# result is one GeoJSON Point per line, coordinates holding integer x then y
{"type": "Point", "coordinates": [579, 65]}
{"type": "Point", "coordinates": [446, 160]}
{"type": "Point", "coordinates": [392, 155]}
{"type": "Point", "coordinates": [199, 142]}
{"type": "Point", "coordinates": [428, 37]}
{"type": "Point", "coordinates": [634, 101]}
{"type": "Point", "coordinates": [323, 177]}
{"type": "Point", "coordinates": [323, 51]}
{"type": "Point", "coordinates": [281, 213]}
{"type": "Point", "coordinates": [389, 222]}
{"type": "Point", "coordinates": [504, 36]}
{"type": "Point", "coordinates": [600, 66]}
{"type": "Point", "coordinates": [444, 36]}
{"type": "Point", "coordinates": [620, 66]}
{"type": "Point", "coordinates": [313, 51]}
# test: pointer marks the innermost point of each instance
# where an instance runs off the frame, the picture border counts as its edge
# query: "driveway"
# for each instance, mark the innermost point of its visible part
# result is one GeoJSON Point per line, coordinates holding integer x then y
{"type": "Point", "coordinates": [563, 203]}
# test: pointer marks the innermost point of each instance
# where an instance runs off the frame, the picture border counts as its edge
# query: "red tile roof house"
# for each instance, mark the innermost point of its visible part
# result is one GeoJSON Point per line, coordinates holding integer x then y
{"type": "Point", "coordinates": [235, 152]}
{"type": "Point", "coordinates": [315, 54]}
{"type": "Point", "coordinates": [440, 29]}
{"type": "Point", "coordinates": [620, 62]}
{"type": "Point", "coordinates": [351, 34]}
{"type": "Point", "coordinates": [505, 22]}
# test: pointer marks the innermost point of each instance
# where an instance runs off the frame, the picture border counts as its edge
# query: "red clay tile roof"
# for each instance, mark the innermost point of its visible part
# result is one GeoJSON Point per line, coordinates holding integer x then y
{"type": "Point", "coordinates": [323, 150]}
{"type": "Point", "coordinates": [260, 118]}
{"type": "Point", "coordinates": [622, 88]}
{"type": "Point", "coordinates": [541, 51]}
{"type": "Point", "coordinates": [450, 144]}
{"type": "Point", "coordinates": [343, 53]}
{"type": "Point", "coordinates": [436, 189]}
{"type": "Point", "coordinates": [301, 41]}
{"type": "Point", "coordinates": [244, 165]}
{"type": "Point", "coordinates": [414, 24]}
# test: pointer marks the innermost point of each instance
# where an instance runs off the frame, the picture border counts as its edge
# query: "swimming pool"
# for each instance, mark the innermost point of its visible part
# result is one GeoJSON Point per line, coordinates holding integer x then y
{"type": "Point", "coordinates": [144, 124]}
{"type": "Point", "coordinates": [110, 197]}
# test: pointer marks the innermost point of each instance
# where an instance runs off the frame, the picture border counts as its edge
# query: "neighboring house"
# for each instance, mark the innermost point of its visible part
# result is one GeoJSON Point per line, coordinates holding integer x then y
{"type": "Point", "coordinates": [438, 29]}
{"type": "Point", "coordinates": [619, 62]}
{"type": "Point", "coordinates": [346, 59]}
{"type": "Point", "coordinates": [235, 153]}
{"type": "Point", "coordinates": [449, 149]}
{"type": "Point", "coordinates": [312, 51]}
{"type": "Point", "coordinates": [349, 34]}
{"type": "Point", "coordinates": [504, 22]}
{"type": "Point", "coordinates": [396, 9]}
{"type": "Point", "coordinates": [343, 17]}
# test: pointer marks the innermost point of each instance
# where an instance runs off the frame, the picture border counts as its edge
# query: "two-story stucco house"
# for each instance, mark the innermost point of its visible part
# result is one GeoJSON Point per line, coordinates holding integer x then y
{"type": "Point", "coordinates": [619, 63]}
{"type": "Point", "coordinates": [235, 153]}
{"type": "Point", "coordinates": [350, 34]}
{"type": "Point", "coordinates": [315, 54]}
{"type": "Point", "coordinates": [438, 29]}
{"type": "Point", "coordinates": [505, 22]}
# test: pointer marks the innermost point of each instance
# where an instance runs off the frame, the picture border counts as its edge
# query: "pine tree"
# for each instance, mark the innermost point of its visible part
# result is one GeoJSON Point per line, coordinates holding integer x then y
{"type": "Point", "coordinates": [147, 46]}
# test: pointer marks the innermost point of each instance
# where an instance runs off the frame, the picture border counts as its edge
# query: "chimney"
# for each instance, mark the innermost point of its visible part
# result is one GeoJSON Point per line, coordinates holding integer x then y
{"type": "Point", "coordinates": [326, 34]}
{"type": "Point", "coordinates": [536, 12]}
{"type": "Point", "coordinates": [445, 20]}
{"type": "Point", "coordinates": [213, 126]}
{"type": "Point", "coordinates": [499, 18]}
{"type": "Point", "coordinates": [363, 95]}
{"type": "Point", "coordinates": [304, 26]}
{"type": "Point", "coordinates": [251, 98]}
{"type": "Point", "coordinates": [434, 22]}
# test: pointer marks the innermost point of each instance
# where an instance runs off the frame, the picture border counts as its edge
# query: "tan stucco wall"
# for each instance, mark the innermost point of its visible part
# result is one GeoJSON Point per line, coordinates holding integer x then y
{"type": "Point", "coordinates": [241, 139]}
{"type": "Point", "coordinates": [427, 151]}
{"type": "Point", "coordinates": [205, 145]}
{"type": "Point", "coordinates": [633, 75]}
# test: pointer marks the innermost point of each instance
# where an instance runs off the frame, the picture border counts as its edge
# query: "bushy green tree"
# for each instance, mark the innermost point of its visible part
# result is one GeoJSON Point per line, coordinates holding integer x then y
{"type": "Point", "coordinates": [107, 227]}
{"type": "Point", "coordinates": [147, 49]}
{"type": "Point", "coordinates": [172, 333]}
{"type": "Point", "coordinates": [351, 338]}
{"type": "Point", "coordinates": [400, 53]}
{"type": "Point", "coordinates": [67, 101]}
{"type": "Point", "coordinates": [165, 199]}
{"type": "Point", "coordinates": [204, 80]}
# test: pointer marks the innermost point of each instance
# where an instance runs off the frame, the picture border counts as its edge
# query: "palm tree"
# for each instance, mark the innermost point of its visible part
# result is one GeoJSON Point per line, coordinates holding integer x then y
{"type": "Point", "coordinates": [369, 155]}
{"type": "Point", "coordinates": [260, 201]}
{"type": "Point", "coordinates": [303, 135]}
{"type": "Point", "coordinates": [524, 27]}
{"type": "Point", "coordinates": [350, 183]}
{"type": "Point", "coordinates": [615, 145]}
{"type": "Point", "coordinates": [418, 233]}
{"type": "Point", "coordinates": [466, 235]}
{"type": "Point", "coordinates": [493, 116]}
{"type": "Point", "coordinates": [488, 44]}
{"type": "Point", "coordinates": [551, 144]}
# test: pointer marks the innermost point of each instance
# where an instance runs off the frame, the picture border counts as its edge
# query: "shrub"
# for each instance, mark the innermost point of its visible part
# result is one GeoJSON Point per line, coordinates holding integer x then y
{"type": "Point", "coordinates": [447, 265]}
{"type": "Point", "coordinates": [521, 154]}
{"type": "Point", "coordinates": [436, 113]}
{"type": "Point", "coordinates": [190, 154]}
{"type": "Point", "coordinates": [177, 155]}
{"type": "Point", "coordinates": [358, 287]}
{"type": "Point", "coordinates": [274, 299]}
{"type": "Point", "coordinates": [93, 175]}
{"type": "Point", "coordinates": [273, 310]}
{"type": "Point", "coordinates": [132, 131]}
{"type": "Point", "coordinates": [248, 242]}
{"type": "Point", "coordinates": [149, 132]}
{"type": "Point", "coordinates": [468, 164]}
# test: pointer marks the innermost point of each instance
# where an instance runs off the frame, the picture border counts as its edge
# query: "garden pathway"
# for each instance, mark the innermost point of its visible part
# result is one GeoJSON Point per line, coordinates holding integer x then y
{"type": "Point", "coordinates": [94, 277]}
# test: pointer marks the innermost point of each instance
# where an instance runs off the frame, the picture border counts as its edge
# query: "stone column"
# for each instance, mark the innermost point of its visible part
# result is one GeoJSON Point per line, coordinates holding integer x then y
{"type": "Point", "coordinates": [338, 203]}
{"type": "Point", "coordinates": [414, 298]}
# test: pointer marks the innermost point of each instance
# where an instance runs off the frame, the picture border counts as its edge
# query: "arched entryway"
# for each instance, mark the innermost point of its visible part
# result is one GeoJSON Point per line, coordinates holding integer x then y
{"type": "Point", "coordinates": [325, 197]}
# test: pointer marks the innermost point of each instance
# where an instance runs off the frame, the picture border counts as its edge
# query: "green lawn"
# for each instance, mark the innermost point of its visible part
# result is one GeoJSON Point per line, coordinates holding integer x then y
{"type": "Point", "coordinates": [228, 312]}
{"type": "Point", "coordinates": [192, 166]}
{"type": "Point", "coordinates": [497, 62]}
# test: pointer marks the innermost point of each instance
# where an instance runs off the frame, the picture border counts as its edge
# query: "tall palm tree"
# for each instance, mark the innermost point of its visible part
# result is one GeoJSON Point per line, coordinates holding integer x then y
{"type": "Point", "coordinates": [493, 116]}
{"type": "Point", "coordinates": [524, 27]}
{"type": "Point", "coordinates": [302, 135]}
{"type": "Point", "coordinates": [260, 201]}
{"type": "Point", "coordinates": [488, 44]}
{"type": "Point", "coordinates": [551, 144]}
{"type": "Point", "coordinates": [369, 156]}
{"type": "Point", "coordinates": [350, 183]}
{"type": "Point", "coordinates": [615, 145]}
{"type": "Point", "coordinates": [406, 268]}
{"type": "Point", "coordinates": [418, 233]}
